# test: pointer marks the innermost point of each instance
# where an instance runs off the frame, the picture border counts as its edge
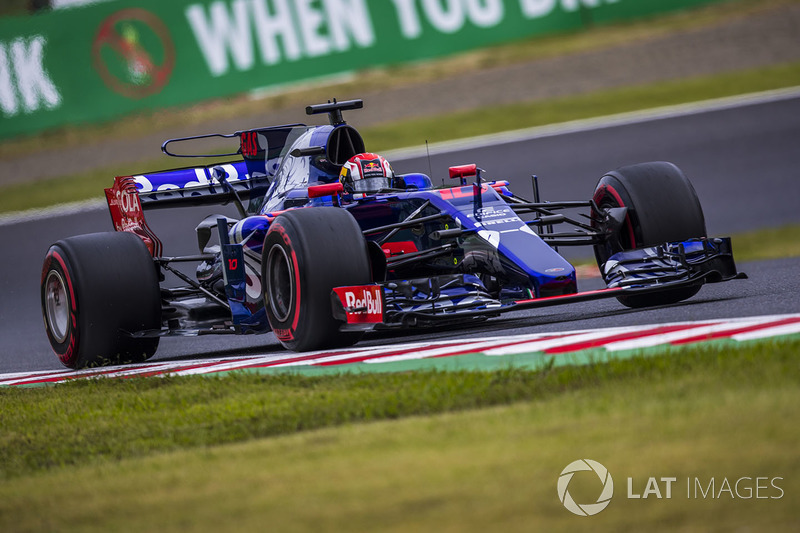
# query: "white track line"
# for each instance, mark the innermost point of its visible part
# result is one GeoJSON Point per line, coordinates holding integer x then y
{"type": "Point", "coordinates": [467, 347]}
{"type": "Point", "coordinates": [563, 340]}
{"type": "Point", "coordinates": [787, 329]}
{"type": "Point", "coordinates": [666, 338]}
{"type": "Point", "coordinates": [60, 210]}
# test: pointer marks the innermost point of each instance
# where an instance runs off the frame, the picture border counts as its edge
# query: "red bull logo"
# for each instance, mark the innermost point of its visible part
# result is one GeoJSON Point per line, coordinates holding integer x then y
{"type": "Point", "coordinates": [372, 168]}
{"type": "Point", "coordinates": [365, 302]}
{"type": "Point", "coordinates": [362, 304]}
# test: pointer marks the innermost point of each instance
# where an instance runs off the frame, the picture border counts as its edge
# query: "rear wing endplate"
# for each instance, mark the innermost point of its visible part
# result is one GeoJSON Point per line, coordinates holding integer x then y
{"type": "Point", "coordinates": [127, 214]}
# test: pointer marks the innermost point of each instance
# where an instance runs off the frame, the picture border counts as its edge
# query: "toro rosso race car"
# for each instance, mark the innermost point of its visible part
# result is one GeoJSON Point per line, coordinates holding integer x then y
{"type": "Point", "coordinates": [318, 260]}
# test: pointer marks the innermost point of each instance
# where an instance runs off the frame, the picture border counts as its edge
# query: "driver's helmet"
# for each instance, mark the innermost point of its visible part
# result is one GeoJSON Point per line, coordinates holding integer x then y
{"type": "Point", "coordinates": [366, 172]}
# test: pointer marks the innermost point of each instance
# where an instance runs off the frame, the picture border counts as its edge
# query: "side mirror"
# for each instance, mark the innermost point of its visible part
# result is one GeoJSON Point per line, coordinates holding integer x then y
{"type": "Point", "coordinates": [329, 189]}
{"type": "Point", "coordinates": [461, 172]}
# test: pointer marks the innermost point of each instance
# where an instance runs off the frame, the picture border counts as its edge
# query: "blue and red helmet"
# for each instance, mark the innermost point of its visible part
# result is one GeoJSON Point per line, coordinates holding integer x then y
{"type": "Point", "coordinates": [366, 172]}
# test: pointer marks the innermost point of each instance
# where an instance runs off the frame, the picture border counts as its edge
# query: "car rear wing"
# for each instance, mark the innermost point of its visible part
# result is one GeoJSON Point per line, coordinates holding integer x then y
{"type": "Point", "coordinates": [130, 196]}
{"type": "Point", "coordinates": [213, 184]}
{"type": "Point", "coordinates": [261, 150]}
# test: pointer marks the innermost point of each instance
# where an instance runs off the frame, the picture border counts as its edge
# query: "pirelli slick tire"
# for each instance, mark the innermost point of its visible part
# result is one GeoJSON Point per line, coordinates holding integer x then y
{"type": "Point", "coordinates": [662, 207]}
{"type": "Point", "coordinates": [308, 252]}
{"type": "Point", "coordinates": [95, 290]}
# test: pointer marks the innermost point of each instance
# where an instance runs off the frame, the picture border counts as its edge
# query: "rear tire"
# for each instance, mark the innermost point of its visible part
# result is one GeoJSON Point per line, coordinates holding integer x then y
{"type": "Point", "coordinates": [96, 288]}
{"type": "Point", "coordinates": [662, 207]}
{"type": "Point", "coordinates": [308, 252]}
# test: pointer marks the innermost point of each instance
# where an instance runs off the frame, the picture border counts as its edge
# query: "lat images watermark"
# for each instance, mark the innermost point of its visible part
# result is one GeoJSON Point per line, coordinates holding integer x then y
{"type": "Point", "coordinates": [713, 488]}
{"type": "Point", "coordinates": [666, 487]}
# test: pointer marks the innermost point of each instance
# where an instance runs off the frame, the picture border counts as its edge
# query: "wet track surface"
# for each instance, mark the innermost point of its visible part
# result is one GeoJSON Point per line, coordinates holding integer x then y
{"type": "Point", "coordinates": [743, 163]}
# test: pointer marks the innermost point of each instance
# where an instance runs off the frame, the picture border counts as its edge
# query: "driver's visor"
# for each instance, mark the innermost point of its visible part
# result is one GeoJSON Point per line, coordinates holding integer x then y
{"type": "Point", "coordinates": [372, 184]}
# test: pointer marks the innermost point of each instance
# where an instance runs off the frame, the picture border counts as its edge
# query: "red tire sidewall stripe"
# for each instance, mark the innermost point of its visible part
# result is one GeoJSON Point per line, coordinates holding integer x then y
{"type": "Point", "coordinates": [278, 227]}
{"type": "Point", "coordinates": [70, 354]}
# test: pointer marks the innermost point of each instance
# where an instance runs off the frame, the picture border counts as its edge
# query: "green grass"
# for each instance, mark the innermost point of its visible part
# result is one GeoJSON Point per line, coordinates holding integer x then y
{"type": "Point", "coordinates": [769, 243]}
{"type": "Point", "coordinates": [23, 196]}
{"type": "Point", "coordinates": [245, 451]}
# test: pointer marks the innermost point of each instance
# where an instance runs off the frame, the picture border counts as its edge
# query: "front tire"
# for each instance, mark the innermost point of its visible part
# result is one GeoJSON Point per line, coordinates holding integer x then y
{"type": "Point", "coordinates": [95, 289]}
{"type": "Point", "coordinates": [662, 207]}
{"type": "Point", "coordinates": [308, 252]}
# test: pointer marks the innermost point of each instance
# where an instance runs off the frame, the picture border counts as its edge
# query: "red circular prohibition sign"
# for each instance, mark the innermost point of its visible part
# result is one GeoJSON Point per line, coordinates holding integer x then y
{"type": "Point", "coordinates": [133, 53]}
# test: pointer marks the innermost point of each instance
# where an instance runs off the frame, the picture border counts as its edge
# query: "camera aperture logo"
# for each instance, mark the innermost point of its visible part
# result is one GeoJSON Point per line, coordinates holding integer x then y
{"type": "Point", "coordinates": [585, 509]}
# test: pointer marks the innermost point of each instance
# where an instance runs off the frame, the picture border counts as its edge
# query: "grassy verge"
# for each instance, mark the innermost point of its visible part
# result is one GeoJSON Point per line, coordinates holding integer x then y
{"type": "Point", "coordinates": [189, 452]}
{"type": "Point", "coordinates": [19, 197]}
{"type": "Point", "coordinates": [770, 243]}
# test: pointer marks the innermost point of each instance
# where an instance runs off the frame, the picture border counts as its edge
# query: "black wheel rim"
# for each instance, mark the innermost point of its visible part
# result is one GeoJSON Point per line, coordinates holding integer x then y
{"type": "Point", "coordinates": [626, 237]}
{"type": "Point", "coordinates": [280, 283]}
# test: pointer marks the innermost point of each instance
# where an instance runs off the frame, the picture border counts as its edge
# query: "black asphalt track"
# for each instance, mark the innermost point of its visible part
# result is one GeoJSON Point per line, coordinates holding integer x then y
{"type": "Point", "coordinates": [743, 162]}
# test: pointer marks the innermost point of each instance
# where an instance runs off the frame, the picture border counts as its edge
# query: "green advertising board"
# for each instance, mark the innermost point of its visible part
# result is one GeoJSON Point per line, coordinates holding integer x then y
{"type": "Point", "coordinates": [105, 60]}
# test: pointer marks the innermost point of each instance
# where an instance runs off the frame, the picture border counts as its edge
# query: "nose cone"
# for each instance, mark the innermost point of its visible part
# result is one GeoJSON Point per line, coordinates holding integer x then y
{"type": "Point", "coordinates": [558, 281]}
